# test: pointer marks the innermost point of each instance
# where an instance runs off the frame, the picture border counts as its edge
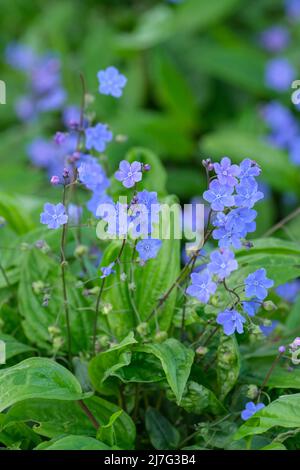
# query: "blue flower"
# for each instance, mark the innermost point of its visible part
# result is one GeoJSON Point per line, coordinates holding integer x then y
{"type": "Point", "coordinates": [148, 248]}
{"type": "Point", "coordinates": [278, 117]}
{"type": "Point", "coordinates": [97, 199]}
{"type": "Point", "coordinates": [20, 56]}
{"type": "Point", "coordinates": [97, 137]}
{"type": "Point", "coordinates": [294, 150]}
{"type": "Point", "coordinates": [144, 212]}
{"type": "Point", "coordinates": [92, 175]}
{"type": "Point", "coordinates": [129, 174]}
{"type": "Point", "coordinates": [279, 74]}
{"type": "Point", "coordinates": [202, 286]}
{"type": "Point", "coordinates": [251, 409]}
{"type": "Point", "coordinates": [74, 214]}
{"type": "Point", "coordinates": [289, 290]}
{"type": "Point", "coordinates": [222, 263]}
{"type": "Point", "coordinates": [241, 221]}
{"type": "Point", "coordinates": [247, 193]}
{"type": "Point", "coordinates": [292, 8]}
{"type": "Point", "coordinates": [219, 196]}
{"type": "Point", "coordinates": [54, 215]}
{"type": "Point", "coordinates": [257, 284]}
{"type": "Point", "coordinates": [275, 39]}
{"type": "Point", "coordinates": [111, 82]}
{"type": "Point", "coordinates": [252, 306]}
{"type": "Point", "coordinates": [249, 168]}
{"type": "Point", "coordinates": [232, 321]}
{"type": "Point", "coordinates": [268, 330]}
{"type": "Point", "coordinates": [107, 270]}
{"type": "Point", "coordinates": [117, 218]}
{"type": "Point", "coordinates": [226, 172]}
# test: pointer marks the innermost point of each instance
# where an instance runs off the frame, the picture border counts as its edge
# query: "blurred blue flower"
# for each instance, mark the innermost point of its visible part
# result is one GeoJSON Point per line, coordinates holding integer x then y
{"type": "Point", "coordinates": [267, 330]}
{"type": "Point", "coordinates": [107, 270]}
{"type": "Point", "coordinates": [252, 306]}
{"type": "Point", "coordinates": [294, 150]}
{"type": "Point", "coordinates": [289, 290]}
{"type": "Point", "coordinates": [279, 74]}
{"type": "Point", "coordinates": [97, 137]}
{"type": "Point", "coordinates": [20, 56]}
{"type": "Point", "coordinates": [74, 214]}
{"type": "Point", "coordinates": [250, 409]}
{"type": "Point", "coordinates": [111, 82]}
{"type": "Point", "coordinates": [232, 321]}
{"type": "Point", "coordinates": [275, 39]}
{"type": "Point", "coordinates": [249, 168]}
{"type": "Point", "coordinates": [92, 175]}
{"type": "Point", "coordinates": [54, 215]}
{"type": "Point", "coordinates": [292, 8]}
{"type": "Point", "coordinates": [98, 198]}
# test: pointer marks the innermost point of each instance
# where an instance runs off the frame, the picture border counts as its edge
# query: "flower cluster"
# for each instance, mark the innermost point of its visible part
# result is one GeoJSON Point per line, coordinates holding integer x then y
{"type": "Point", "coordinates": [232, 193]}
{"type": "Point", "coordinates": [45, 90]}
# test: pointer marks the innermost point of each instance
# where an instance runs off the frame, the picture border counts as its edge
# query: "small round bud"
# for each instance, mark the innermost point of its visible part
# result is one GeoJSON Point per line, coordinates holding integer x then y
{"type": "Point", "coordinates": [54, 330]}
{"type": "Point", "coordinates": [2, 222]}
{"type": "Point", "coordinates": [120, 138]}
{"type": "Point", "coordinates": [267, 322]}
{"type": "Point", "coordinates": [146, 167]}
{"type": "Point", "coordinates": [94, 290]}
{"type": "Point", "coordinates": [201, 351]}
{"type": "Point", "coordinates": [54, 180]}
{"type": "Point", "coordinates": [107, 307]}
{"type": "Point", "coordinates": [281, 349]}
{"type": "Point", "coordinates": [38, 287]}
{"type": "Point", "coordinates": [269, 306]}
{"type": "Point", "coordinates": [80, 250]}
{"type": "Point", "coordinates": [89, 99]}
{"type": "Point", "coordinates": [247, 244]}
{"type": "Point", "coordinates": [57, 343]}
{"type": "Point", "coordinates": [46, 300]}
{"type": "Point", "coordinates": [132, 286]}
{"type": "Point", "coordinates": [252, 392]}
{"type": "Point", "coordinates": [123, 277]}
{"type": "Point", "coordinates": [160, 336]}
{"type": "Point", "coordinates": [214, 300]}
{"type": "Point", "coordinates": [59, 138]}
{"type": "Point", "coordinates": [66, 173]}
{"type": "Point", "coordinates": [43, 246]}
{"type": "Point", "coordinates": [142, 329]}
{"type": "Point", "coordinates": [103, 341]}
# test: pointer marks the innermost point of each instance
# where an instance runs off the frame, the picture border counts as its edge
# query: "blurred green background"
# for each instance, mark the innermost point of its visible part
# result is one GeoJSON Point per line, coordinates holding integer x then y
{"type": "Point", "coordinates": [195, 85]}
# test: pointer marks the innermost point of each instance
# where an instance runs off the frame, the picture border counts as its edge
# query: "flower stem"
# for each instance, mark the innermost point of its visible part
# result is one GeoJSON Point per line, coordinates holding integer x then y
{"type": "Point", "coordinates": [267, 377]}
{"type": "Point", "coordinates": [64, 286]}
{"type": "Point", "coordinates": [4, 275]}
{"type": "Point", "coordinates": [89, 414]}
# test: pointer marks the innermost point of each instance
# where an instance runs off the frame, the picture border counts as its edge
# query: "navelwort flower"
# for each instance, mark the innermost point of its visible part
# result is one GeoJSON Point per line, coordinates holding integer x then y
{"type": "Point", "coordinates": [279, 74]}
{"type": "Point", "coordinates": [219, 196]}
{"type": "Point", "coordinates": [148, 248]}
{"type": "Point", "coordinates": [111, 82]}
{"type": "Point", "coordinates": [54, 215]}
{"type": "Point", "coordinates": [107, 270]}
{"type": "Point", "coordinates": [222, 263]}
{"type": "Point", "coordinates": [97, 137]}
{"type": "Point", "coordinates": [232, 321]}
{"type": "Point", "coordinates": [129, 174]}
{"type": "Point", "coordinates": [226, 172]}
{"type": "Point", "coordinates": [202, 286]}
{"type": "Point", "coordinates": [250, 409]}
{"type": "Point", "coordinates": [257, 284]}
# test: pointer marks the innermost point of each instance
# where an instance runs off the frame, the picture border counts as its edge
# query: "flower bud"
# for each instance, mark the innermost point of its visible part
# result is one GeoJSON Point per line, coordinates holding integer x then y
{"type": "Point", "coordinates": [281, 349]}
{"type": "Point", "coordinates": [80, 250]}
{"type": "Point", "coordinates": [160, 336]}
{"type": "Point", "coordinates": [142, 329]}
{"type": "Point", "coordinates": [269, 306]}
{"type": "Point", "coordinates": [38, 287]}
{"type": "Point", "coordinates": [59, 138]}
{"type": "Point", "coordinates": [201, 351]}
{"type": "Point", "coordinates": [252, 392]}
{"type": "Point", "coordinates": [43, 246]}
{"type": "Point", "coordinates": [103, 341]}
{"type": "Point", "coordinates": [123, 276]}
{"type": "Point", "coordinates": [57, 343]}
{"type": "Point", "coordinates": [54, 330]}
{"type": "Point", "coordinates": [146, 167]}
{"type": "Point", "coordinates": [120, 138]}
{"type": "Point", "coordinates": [2, 222]}
{"type": "Point", "coordinates": [107, 307]}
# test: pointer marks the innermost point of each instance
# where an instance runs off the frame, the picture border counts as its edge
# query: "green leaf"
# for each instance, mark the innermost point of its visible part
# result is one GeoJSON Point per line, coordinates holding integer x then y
{"type": "Point", "coordinates": [73, 443]}
{"type": "Point", "coordinates": [228, 365]}
{"type": "Point", "coordinates": [176, 360]}
{"type": "Point", "coordinates": [162, 23]}
{"type": "Point", "coordinates": [257, 369]}
{"type": "Point", "coordinates": [198, 400]}
{"type": "Point", "coordinates": [106, 433]}
{"type": "Point", "coordinates": [105, 364]}
{"type": "Point", "coordinates": [241, 145]}
{"type": "Point", "coordinates": [292, 322]}
{"type": "Point", "coordinates": [15, 215]}
{"type": "Point", "coordinates": [37, 378]}
{"type": "Point", "coordinates": [53, 418]}
{"type": "Point", "coordinates": [13, 347]}
{"type": "Point", "coordinates": [36, 266]}
{"type": "Point", "coordinates": [283, 412]}
{"type": "Point", "coordinates": [274, 446]}
{"type": "Point", "coordinates": [280, 258]}
{"type": "Point", "coordinates": [142, 368]}
{"type": "Point", "coordinates": [162, 434]}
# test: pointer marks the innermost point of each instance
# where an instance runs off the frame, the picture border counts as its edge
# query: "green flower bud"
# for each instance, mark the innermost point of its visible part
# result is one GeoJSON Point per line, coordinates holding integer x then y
{"type": "Point", "coordinates": [38, 287]}
{"type": "Point", "coordinates": [201, 351]}
{"type": "Point", "coordinates": [269, 306]}
{"type": "Point", "coordinates": [103, 341]}
{"type": "Point", "coordinates": [252, 392]}
{"type": "Point", "coordinates": [142, 329]}
{"type": "Point", "coordinates": [106, 308]}
{"type": "Point", "coordinates": [81, 250]}
{"type": "Point", "coordinates": [160, 336]}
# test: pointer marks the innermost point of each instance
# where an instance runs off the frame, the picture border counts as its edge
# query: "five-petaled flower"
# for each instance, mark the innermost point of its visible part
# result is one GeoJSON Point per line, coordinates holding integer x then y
{"type": "Point", "coordinates": [97, 137]}
{"type": "Point", "coordinates": [111, 82]}
{"type": "Point", "coordinates": [226, 172]}
{"type": "Point", "coordinates": [202, 286]}
{"type": "Point", "coordinates": [54, 215]}
{"type": "Point", "coordinates": [222, 263]}
{"type": "Point", "coordinates": [232, 321]}
{"type": "Point", "coordinates": [129, 174]}
{"type": "Point", "coordinates": [250, 409]}
{"type": "Point", "coordinates": [219, 195]}
{"type": "Point", "coordinates": [148, 248]}
{"type": "Point", "coordinates": [107, 270]}
{"type": "Point", "coordinates": [257, 284]}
